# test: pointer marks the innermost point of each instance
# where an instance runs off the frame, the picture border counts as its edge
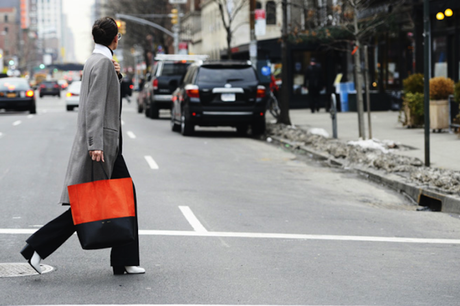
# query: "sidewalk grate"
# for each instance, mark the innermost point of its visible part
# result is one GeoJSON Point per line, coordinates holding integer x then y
{"type": "Point", "coordinates": [20, 269]}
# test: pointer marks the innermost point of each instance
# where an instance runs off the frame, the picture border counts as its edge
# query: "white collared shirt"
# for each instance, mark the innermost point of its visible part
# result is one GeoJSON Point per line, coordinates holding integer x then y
{"type": "Point", "coordinates": [103, 50]}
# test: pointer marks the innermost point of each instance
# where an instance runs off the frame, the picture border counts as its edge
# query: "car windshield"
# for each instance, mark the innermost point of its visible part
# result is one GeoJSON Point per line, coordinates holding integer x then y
{"type": "Point", "coordinates": [222, 75]}
{"type": "Point", "coordinates": [170, 69]}
{"type": "Point", "coordinates": [13, 84]}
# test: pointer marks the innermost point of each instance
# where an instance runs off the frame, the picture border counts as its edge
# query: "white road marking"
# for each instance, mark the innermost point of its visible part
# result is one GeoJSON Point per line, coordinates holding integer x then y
{"type": "Point", "coordinates": [192, 219]}
{"type": "Point", "coordinates": [131, 134]}
{"type": "Point", "coordinates": [1, 135]}
{"type": "Point", "coordinates": [153, 165]}
{"type": "Point", "coordinates": [122, 122]}
{"type": "Point", "coordinates": [17, 122]}
{"type": "Point", "coordinates": [188, 305]}
{"type": "Point", "coordinates": [30, 116]}
{"type": "Point", "coordinates": [21, 231]}
{"type": "Point", "coordinates": [192, 304]}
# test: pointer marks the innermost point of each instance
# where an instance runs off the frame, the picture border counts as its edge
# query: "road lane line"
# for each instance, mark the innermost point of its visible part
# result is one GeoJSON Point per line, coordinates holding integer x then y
{"type": "Point", "coordinates": [153, 165]}
{"type": "Point", "coordinates": [190, 305]}
{"type": "Point", "coordinates": [192, 219]}
{"type": "Point", "coordinates": [20, 231]}
{"type": "Point", "coordinates": [17, 122]}
{"type": "Point", "coordinates": [131, 134]}
{"type": "Point", "coordinates": [30, 116]}
{"type": "Point", "coordinates": [1, 135]}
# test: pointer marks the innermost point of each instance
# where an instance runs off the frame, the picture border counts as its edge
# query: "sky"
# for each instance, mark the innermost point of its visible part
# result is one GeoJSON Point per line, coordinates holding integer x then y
{"type": "Point", "coordinates": [79, 20]}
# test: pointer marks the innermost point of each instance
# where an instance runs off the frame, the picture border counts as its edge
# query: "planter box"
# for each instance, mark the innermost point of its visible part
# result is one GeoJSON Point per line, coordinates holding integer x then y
{"type": "Point", "coordinates": [439, 114]}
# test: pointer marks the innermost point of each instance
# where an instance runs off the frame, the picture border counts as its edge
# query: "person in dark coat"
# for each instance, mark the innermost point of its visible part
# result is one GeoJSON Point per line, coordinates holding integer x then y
{"type": "Point", "coordinates": [313, 81]}
{"type": "Point", "coordinates": [98, 140]}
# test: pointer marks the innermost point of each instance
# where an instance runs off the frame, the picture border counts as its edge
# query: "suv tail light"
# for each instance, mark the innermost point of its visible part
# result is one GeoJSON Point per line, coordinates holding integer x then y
{"type": "Point", "coordinates": [56, 86]}
{"type": "Point", "coordinates": [192, 91]}
{"type": "Point", "coordinates": [30, 93]}
{"type": "Point", "coordinates": [155, 84]}
{"type": "Point", "coordinates": [260, 91]}
{"type": "Point", "coordinates": [43, 86]}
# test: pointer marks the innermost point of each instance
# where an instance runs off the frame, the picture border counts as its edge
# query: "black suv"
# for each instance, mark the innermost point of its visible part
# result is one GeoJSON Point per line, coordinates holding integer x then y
{"type": "Point", "coordinates": [164, 80]}
{"type": "Point", "coordinates": [219, 93]}
{"type": "Point", "coordinates": [49, 88]}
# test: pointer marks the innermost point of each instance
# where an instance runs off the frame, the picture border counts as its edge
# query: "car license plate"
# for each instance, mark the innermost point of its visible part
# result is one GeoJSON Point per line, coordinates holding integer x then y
{"type": "Point", "coordinates": [11, 95]}
{"type": "Point", "coordinates": [228, 97]}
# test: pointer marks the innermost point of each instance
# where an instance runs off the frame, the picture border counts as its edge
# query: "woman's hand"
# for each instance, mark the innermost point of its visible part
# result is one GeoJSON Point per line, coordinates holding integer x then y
{"type": "Point", "coordinates": [97, 155]}
{"type": "Point", "coordinates": [117, 66]}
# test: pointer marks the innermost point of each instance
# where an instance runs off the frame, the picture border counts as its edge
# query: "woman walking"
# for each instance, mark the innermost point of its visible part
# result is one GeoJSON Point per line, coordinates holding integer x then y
{"type": "Point", "coordinates": [98, 140]}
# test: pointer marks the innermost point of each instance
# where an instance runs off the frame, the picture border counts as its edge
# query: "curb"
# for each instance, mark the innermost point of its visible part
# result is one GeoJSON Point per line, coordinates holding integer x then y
{"type": "Point", "coordinates": [422, 196]}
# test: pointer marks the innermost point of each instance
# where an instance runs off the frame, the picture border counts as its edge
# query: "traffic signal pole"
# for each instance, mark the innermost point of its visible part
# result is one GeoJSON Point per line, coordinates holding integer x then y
{"type": "Point", "coordinates": [427, 74]}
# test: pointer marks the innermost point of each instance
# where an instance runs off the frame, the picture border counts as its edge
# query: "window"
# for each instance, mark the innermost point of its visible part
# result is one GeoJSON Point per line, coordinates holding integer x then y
{"type": "Point", "coordinates": [6, 18]}
{"type": "Point", "coordinates": [258, 5]}
{"type": "Point", "coordinates": [271, 12]}
{"type": "Point", "coordinates": [6, 29]}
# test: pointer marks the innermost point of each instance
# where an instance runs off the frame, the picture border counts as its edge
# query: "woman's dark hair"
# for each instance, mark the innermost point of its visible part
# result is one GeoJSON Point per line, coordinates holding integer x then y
{"type": "Point", "coordinates": [104, 31]}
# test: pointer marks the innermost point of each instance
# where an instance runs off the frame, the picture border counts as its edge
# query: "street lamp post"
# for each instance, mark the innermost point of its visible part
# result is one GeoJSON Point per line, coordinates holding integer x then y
{"type": "Point", "coordinates": [427, 74]}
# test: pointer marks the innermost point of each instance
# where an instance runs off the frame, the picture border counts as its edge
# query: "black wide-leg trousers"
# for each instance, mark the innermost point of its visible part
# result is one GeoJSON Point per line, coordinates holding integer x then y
{"type": "Point", "coordinates": [52, 235]}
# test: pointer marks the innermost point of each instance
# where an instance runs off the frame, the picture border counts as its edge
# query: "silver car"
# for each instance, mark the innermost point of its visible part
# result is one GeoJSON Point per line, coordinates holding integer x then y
{"type": "Point", "coordinates": [73, 95]}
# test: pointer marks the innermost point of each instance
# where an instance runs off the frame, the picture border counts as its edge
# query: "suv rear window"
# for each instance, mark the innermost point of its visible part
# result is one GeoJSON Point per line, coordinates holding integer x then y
{"type": "Point", "coordinates": [223, 75]}
{"type": "Point", "coordinates": [170, 69]}
{"type": "Point", "coordinates": [13, 84]}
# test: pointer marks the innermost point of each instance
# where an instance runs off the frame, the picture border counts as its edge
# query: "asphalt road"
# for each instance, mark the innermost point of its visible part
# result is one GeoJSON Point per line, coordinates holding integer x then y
{"type": "Point", "coordinates": [223, 220]}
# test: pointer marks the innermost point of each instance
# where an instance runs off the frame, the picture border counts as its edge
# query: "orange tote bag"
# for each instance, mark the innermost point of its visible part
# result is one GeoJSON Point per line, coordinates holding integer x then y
{"type": "Point", "coordinates": [103, 212]}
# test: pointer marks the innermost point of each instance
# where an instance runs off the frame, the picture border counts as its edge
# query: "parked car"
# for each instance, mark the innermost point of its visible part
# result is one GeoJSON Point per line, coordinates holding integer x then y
{"type": "Point", "coordinates": [220, 93]}
{"type": "Point", "coordinates": [72, 98]}
{"type": "Point", "coordinates": [49, 88]}
{"type": "Point", "coordinates": [165, 76]}
{"type": "Point", "coordinates": [16, 94]}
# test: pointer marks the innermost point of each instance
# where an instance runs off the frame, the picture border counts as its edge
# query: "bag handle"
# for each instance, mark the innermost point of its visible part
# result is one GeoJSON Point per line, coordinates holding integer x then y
{"type": "Point", "coordinates": [92, 170]}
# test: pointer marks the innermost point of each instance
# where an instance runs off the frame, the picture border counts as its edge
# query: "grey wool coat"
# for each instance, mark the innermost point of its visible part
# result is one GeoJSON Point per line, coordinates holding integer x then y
{"type": "Point", "coordinates": [98, 124]}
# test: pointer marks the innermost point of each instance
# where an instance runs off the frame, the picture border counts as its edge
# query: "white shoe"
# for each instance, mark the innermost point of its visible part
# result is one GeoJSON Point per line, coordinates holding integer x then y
{"type": "Point", "coordinates": [34, 262]}
{"type": "Point", "coordinates": [134, 270]}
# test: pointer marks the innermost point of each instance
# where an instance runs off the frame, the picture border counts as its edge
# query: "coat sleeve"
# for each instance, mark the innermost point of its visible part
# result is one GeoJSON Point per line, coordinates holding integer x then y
{"type": "Point", "coordinates": [96, 104]}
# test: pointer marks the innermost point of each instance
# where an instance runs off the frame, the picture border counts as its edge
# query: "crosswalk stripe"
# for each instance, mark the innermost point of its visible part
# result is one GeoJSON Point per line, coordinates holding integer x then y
{"type": "Point", "coordinates": [19, 231]}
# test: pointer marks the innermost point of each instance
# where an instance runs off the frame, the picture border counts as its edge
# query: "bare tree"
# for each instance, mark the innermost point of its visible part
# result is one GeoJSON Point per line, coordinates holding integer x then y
{"type": "Point", "coordinates": [143, 36]}
{"type": "Point", "coordinates": [348, 22]}
{"type": "Point", "coordinates": [229, 10]}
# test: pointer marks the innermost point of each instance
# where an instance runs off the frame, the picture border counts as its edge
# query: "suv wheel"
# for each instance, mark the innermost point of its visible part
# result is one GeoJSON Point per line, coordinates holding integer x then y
{"type": "Point", "coordinates": [258, 128]}
{"type": "Point", "coordinates": [154, 112]}
{"type": "Point", "coordinates": [174, 126]}
{"type": "Point", "coordinates": [187, 128]}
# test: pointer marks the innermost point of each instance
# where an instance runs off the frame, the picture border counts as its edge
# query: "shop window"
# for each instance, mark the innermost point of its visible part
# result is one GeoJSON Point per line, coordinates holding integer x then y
{"type": "Point", "coordinates": [440, 56]}
{"type": "Point", "coordinates": [271, 12]}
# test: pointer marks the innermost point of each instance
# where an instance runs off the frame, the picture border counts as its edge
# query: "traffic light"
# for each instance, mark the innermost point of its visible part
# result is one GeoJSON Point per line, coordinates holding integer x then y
{"type": "Point", "coordinates": [121, 26]}
{"type": "Point", "coordinates": [174, 16]}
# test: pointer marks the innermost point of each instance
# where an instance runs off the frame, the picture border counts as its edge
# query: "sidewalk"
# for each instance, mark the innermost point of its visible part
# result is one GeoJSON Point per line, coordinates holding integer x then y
{"type": "Point", "coordinates": [444, 147]}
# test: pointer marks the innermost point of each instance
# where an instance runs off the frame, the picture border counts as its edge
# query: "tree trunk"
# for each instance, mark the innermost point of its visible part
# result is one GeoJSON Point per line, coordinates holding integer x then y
{"type": "Point", "coordinates": [285, 96]}
{"type": "Point", "coordinates": [229, 43]}
{"type": "Point", "coordinates": [358, 73]}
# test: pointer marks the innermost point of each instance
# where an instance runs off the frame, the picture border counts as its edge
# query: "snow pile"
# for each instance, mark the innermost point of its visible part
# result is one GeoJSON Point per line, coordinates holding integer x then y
{"type": "Point", "coordinates": [320, 132]}
{"type": "Point", "coordinates": [376, 154]}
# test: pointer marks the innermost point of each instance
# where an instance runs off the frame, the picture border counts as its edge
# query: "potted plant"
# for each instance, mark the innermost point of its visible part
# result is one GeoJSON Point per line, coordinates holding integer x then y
{"type": "Point", "coordinates": [413, 100]}
{"type": "Point", "coordinates": [440, 89]}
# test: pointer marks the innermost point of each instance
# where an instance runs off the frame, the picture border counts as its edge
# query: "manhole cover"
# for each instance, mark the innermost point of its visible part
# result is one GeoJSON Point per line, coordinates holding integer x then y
{"type": "Point", "coordinates": [21, 269]}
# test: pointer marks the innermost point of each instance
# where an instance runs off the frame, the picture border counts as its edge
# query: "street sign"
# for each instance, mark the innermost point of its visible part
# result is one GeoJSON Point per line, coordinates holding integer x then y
{"type": "Point", "coordinates": [177, 1]}
{"type": "Point", "coordinates": [260, 22]}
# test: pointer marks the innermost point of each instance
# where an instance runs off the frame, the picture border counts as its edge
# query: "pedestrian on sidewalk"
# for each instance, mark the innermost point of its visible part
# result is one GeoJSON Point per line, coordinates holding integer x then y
{"type": "Point", "coordinates": [98, 140]}
{"type": "Point", "coordinates": [313, 81]}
